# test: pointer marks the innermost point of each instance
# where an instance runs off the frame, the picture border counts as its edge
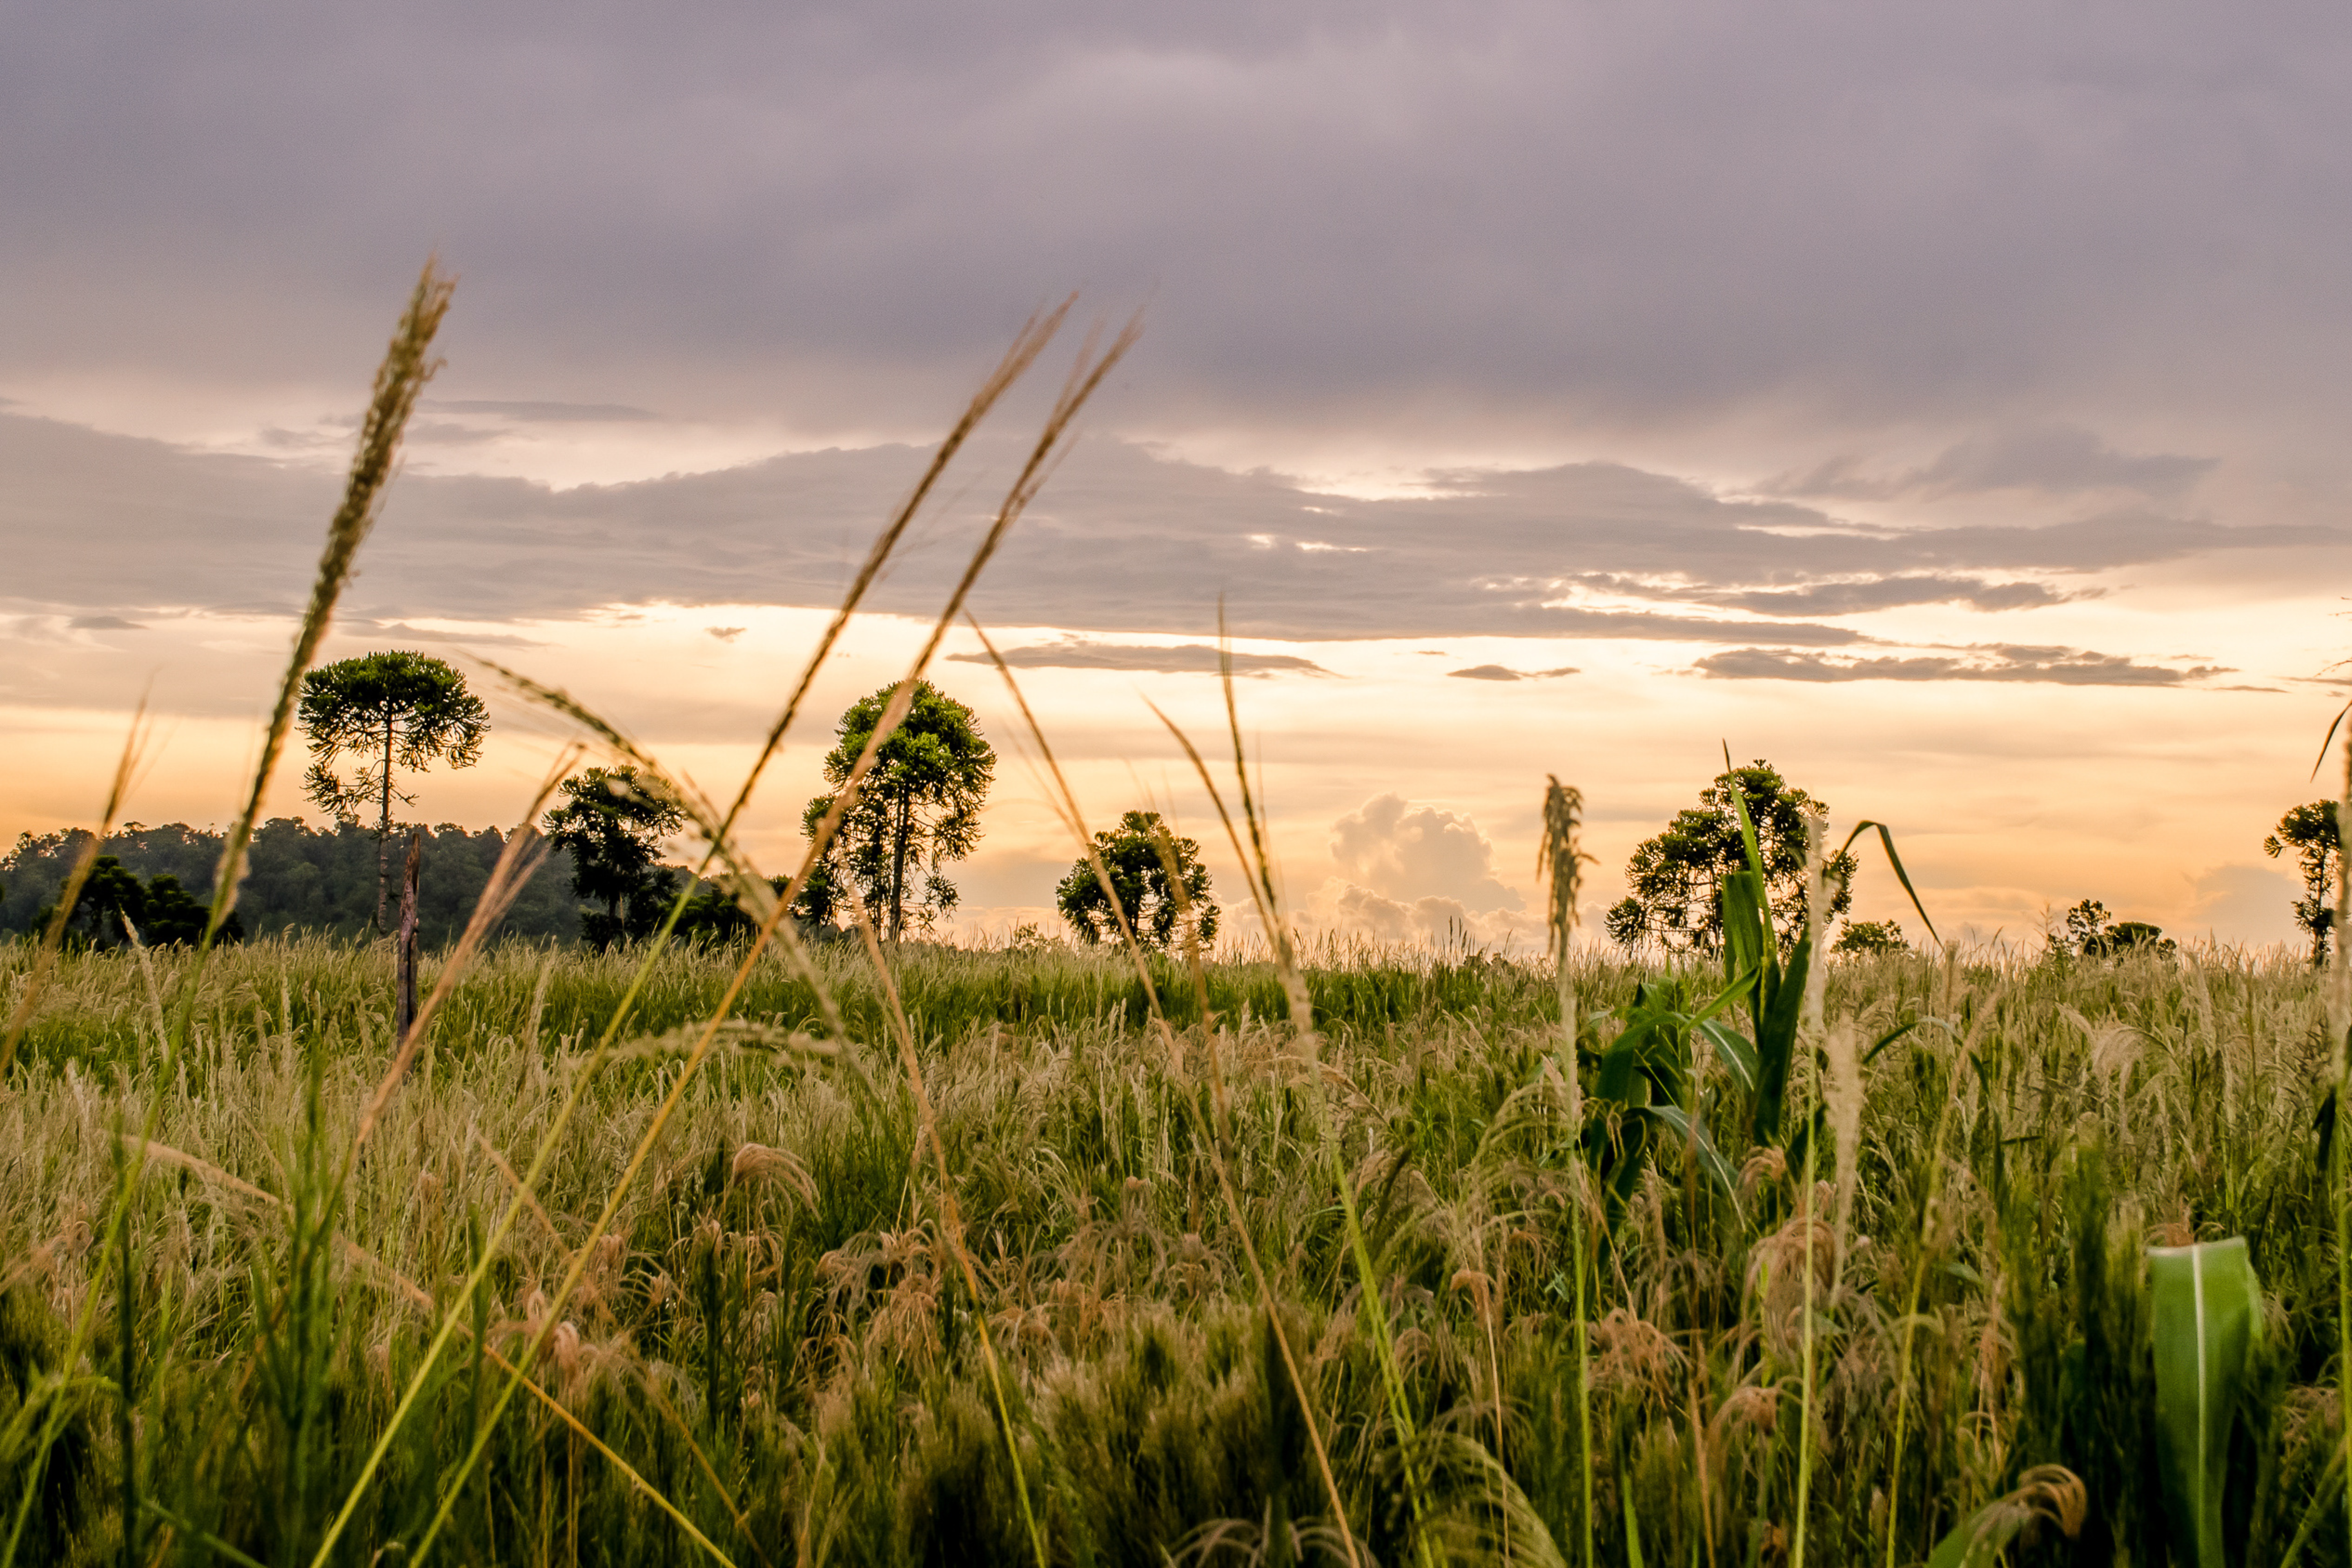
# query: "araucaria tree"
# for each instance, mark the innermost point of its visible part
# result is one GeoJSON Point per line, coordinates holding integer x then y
{"type": "Point", "coordinates": [917, 810]}
{"type": "Point", "coordinates": [396, 713]}
{"type": "Point", "coordinates": [2310, 831]}
{"type": "Point", "coordinates": [1139, 855]}
{"type": "Point", "coordinates": [1677, 876]}
{"type": "Point", "coordinates": [612, 826]}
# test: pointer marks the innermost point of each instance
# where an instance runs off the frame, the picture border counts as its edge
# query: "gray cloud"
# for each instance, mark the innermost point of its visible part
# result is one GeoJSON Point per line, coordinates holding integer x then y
{"type": "Point", "coordinates": [103, 624]}
{"type": "Point", "coordinates": [2059, 665]}
{"type": "Point", "coordinates": [1847, 598]}
{"type": "Point", "coordinates": [1614, 216]}
{"type": "Point", "coordinates": [1121, 541]}
{"type": "Point", "coordinates": [533, 411]}
{"type": "Point", "coordinates": [1504, 672]}
{"type": "Point", "coordinates": [2057, 459]}
{"type": "Point", "coordinates": [1193, 659]}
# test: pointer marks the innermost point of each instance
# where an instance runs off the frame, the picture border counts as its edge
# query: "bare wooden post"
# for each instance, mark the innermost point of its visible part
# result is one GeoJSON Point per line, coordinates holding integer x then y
{"type": "Point", "coordinates": [405, 943]}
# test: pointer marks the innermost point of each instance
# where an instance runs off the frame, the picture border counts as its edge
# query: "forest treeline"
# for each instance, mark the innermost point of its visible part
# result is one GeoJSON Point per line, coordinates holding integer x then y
{"type": "Point", "coordinates": [300, 877]}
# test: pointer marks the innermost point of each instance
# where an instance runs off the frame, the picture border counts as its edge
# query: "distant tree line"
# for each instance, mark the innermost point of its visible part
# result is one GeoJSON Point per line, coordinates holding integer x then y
{"type": "Point", "coordinates": [301, 879]}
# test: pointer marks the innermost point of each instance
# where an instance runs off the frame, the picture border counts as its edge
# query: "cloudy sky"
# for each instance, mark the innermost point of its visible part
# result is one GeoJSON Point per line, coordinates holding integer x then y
{"type": "Point", "coordinates": [1947, 404]}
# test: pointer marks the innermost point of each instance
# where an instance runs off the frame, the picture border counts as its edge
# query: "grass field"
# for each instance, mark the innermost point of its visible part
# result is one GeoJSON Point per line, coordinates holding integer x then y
{"type": "Point", "coordinates": [801, 1254]}
{"type": "Point", "coordinates": [777, 1340]}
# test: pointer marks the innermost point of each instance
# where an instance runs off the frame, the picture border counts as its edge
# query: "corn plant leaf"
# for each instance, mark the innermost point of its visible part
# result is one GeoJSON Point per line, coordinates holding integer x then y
{"type": "Point", "coordinates": [1886, 841]}
{"type": "Point", "coordinates": [2208, 1312]}
{"type": "Point", "coordinates": [1776, 1038]}
{"type": "Point", "coordinates": [1731, 1048]}
{"type": "Point", "coordinates": [1710, 1158]}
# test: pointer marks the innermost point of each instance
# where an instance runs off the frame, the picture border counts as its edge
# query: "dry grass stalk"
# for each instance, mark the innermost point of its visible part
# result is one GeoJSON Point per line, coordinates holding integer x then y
{"type": "Point", "coordinates": [1085, 376]}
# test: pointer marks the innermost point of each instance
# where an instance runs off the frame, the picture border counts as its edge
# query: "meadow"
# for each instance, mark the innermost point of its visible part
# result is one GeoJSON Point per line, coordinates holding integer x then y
{"type": "Point", "coordinates": [801, 1248]}
{"type": "Point", "coordinates": [775, 1338]}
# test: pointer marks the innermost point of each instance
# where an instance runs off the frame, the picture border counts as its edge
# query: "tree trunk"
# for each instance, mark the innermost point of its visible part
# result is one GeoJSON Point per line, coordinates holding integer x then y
{"type": "Point", "coordinates": [898, 834]}
{"type": "Point", "coordinates": [383, 827]}
{"type": "Point", "coordinates": [405, 947]}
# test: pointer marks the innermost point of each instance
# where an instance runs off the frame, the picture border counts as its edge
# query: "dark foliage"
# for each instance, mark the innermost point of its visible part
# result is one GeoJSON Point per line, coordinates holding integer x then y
{"type": "Point", "coordinates": [2310, 831]}
{"type": "Point", "coordinates": [1133, 855]}
{"type": "Point", "coordinates": [612, 826]}
{"type": "Point", "coordinates": [919, 810]}
{"type": "Point", "coordinates": [1677, 877]}
{"type": "Point", "coordinates": [298, 878]}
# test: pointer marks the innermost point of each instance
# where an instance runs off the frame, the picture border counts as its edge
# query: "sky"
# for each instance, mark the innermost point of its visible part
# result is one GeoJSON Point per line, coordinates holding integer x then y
{"type": "Point", "coordinates": [1944, 404]}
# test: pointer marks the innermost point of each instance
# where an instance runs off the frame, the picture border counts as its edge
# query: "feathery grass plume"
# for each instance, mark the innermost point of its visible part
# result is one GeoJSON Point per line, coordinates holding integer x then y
{"type": "Point", "coordinates": [1215, 1139]}
{"type": "Point", "coordinates": [1809, 1034]}
{"type": "Point", "coordinates": [1085, 376]}
{"type": "Point", "coordinates": [1023, 352]}
{"type": "Point", "coordinates": [408, 365]}
{"type": "Point", "coordinates": [126, 768]}
{"type": "Point", "coordinates": [1558, 854]}
{"type": "Point", "coordinates": [1844, 1094]}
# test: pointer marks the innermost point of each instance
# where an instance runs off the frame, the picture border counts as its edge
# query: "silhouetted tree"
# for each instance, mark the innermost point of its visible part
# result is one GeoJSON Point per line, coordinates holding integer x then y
{"type": "Point", "coordinates": [1871, 938]}
{"type": "Point", "coordinates": [919, 810]}
{"type": "Point", "coordinates": [397, 711]}
{"type": "Point", "coordinates": [1677, 877]}
{"type": "Point", "coordinates": [2310, 831]}
{"type": "Point", "coordinates": [613, 828]}
{"type": "Point", "coordinates": [1133, 855]}
{"type": "Point", "coordinates": [2090, 932]}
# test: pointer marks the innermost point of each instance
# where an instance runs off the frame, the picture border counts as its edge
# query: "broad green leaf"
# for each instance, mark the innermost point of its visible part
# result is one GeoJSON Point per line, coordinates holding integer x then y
{"type": "Point", "coordinates": [1710, 1158]}
{"type": "Point", "coordinates": [1732, 1048]}
{"type": "Point", "coordinates": [2209, 1314]}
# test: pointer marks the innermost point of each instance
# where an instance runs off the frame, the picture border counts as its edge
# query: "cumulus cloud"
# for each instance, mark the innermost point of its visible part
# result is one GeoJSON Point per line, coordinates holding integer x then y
{"type": "Point", "coordinates": [1406, 851]}
{"type": "Point", "coordinates": [2246, 903]}
{"type": "Point", "coordinates": [1195, 658]}
{"type": "Point", "coordinates": [1342, 908]}
{"type": "Point", "coordinates": [2004, 661]}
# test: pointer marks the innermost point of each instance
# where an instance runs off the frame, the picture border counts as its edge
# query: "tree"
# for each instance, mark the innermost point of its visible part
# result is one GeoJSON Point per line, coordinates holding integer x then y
{"type": "Point", "coordinates": [1155, 903]}
{"type": "Point", "coordinates": [2310, 831]}
{"type": "Point", "coordinates": [918, 809]}
{"type": "Point", "coordinates": [2091, 934]}
{"type": "Point", "coordinates": [1677, 876]}
{"type": "Point", "coordinates": [112, 902]}
{"type": "Point", "coordinates": [613, 828]}
{"type": "Point", "coordinates": [395, 712]}
{"type": "Point", "coordinates": [1871, 938]}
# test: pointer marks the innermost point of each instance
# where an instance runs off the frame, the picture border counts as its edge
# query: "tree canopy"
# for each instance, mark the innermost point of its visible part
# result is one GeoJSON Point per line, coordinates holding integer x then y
{"type": "Point", "coordinates": [1677, 876]}
{"type": "Point", "coordinates": [612, 826]}
{"type": "Point", "coordinates": [2310, 832]}
{"type": "Point", "coordinates": [1138, 854]}
{"type": "Point", "coordinates": [397, 712]}
{"type": "Point", "coordinates": [299, 877]}
{"type": "Point", "coordinates": [918, 811]}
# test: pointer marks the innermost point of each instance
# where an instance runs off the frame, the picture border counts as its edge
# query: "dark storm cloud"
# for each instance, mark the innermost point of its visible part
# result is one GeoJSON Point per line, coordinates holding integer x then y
{"type": "Point", "coordinates": [1975, 216]}
{"type": "Point", "coordinates": [1120, 542]}
{"type": "Point", "coordinates": [2056, 666]}
{"type": "Point", "coordinates": [1193, 658]}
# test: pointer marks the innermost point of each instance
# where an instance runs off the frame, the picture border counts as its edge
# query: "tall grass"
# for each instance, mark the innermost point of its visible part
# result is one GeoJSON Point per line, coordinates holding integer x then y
{"type": "Point", "coordinates": [854, 1252]}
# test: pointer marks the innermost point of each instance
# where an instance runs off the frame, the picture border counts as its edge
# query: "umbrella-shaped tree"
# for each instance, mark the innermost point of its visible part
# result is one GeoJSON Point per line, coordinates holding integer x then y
{"type": "Point", "coordinates": [396, 713]}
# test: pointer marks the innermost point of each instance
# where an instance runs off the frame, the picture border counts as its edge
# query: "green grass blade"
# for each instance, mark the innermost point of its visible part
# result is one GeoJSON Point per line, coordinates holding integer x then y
{"type": "Point", "coordinates": [1886, 840]}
